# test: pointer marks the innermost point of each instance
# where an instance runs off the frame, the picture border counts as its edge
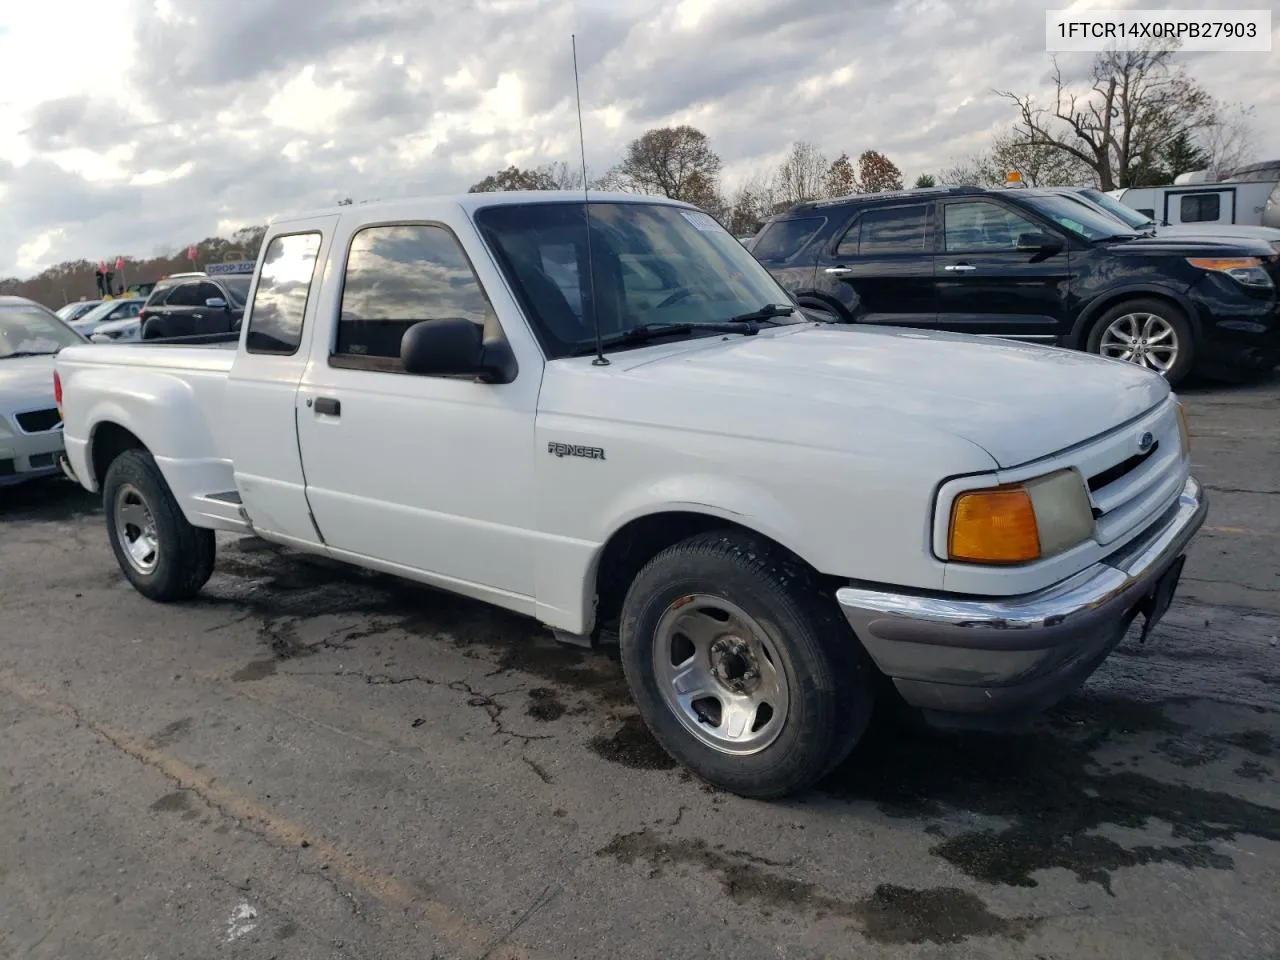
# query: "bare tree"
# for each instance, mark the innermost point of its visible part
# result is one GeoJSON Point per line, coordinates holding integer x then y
{"type": "Point", "coordinates": [1138, 101]}
{"type": "Point", "coordinates": [802, 175]}
{"type": "Point", "coordinates": [514, 178]}
{"type": "Point", "coordinates": [675, 162]}
{"type": "Point", "coordinates": [1229, 140]}
{"type": "Point", "coordinates": [751, 204]}
{"type": "Point", "coordinates": [877, 173]}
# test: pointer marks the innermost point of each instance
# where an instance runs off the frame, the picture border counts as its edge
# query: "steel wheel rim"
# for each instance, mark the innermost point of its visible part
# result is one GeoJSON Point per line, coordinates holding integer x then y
{"type": "Point", "coordinates": [1146, 339]}
{"type": "Point", "coordinates": [720, 674]}
{"type": "Point", "coordinates": [136, 529]}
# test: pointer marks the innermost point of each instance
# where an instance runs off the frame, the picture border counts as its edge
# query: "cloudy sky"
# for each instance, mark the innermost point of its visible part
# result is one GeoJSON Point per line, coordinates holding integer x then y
{"type": "Point", "coordinates": [134, 126]}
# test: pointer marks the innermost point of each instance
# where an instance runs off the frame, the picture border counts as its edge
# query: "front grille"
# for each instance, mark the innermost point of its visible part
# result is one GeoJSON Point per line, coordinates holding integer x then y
{"type": "Point", "coordinates": [1122, 469]}
{"type": "Point", "coordinates": [38, 421]}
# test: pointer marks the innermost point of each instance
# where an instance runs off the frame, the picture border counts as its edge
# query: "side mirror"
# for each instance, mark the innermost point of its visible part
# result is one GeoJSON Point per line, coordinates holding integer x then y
{"type": "Point", "coordinates": [452, 347]}
{"type": "Point", "coordinates": [216, 303]}
{"type": "Point", "coordinates": [1037, 243]}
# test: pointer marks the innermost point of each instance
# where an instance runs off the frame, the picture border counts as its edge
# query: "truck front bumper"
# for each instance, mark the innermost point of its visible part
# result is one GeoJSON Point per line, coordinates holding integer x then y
{"type": "Point", "coordinates": [1013, 656]}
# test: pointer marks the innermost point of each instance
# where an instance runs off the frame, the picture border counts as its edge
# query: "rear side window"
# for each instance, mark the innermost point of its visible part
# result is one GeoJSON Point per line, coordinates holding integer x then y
{"type": "Point", "coordinates": [398, 275]}
{"type": "Point", "coordinates": [783, 239]}
{"type": "Point", "coordinates": [1200, 207]}
{"type": "Point", "coordinates": [185, 295]}
{"type": "Point", "coordinates": [885, 230]}
{"type": "Point", "coordinates": [280, 302]}
{"type": "Point", "coordinates": [158, 296]}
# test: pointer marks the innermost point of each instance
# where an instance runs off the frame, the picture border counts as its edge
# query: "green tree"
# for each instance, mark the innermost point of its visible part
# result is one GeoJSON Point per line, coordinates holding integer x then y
{"type": "Point", "coordinates": [925, 180]}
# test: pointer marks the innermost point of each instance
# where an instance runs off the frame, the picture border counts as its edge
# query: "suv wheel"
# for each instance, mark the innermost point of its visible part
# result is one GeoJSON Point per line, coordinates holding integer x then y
{"type": "Point", "coordinates": [1148, 332]}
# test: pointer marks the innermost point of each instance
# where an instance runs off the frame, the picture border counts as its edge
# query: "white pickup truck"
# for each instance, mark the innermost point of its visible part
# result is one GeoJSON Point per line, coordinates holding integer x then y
{"type": "Point", "coordinates": [609, 413]}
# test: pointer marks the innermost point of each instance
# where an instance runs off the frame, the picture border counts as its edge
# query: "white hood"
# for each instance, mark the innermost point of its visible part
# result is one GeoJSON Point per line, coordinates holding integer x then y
{"type": "Point", "coordinates": [1016, 401]}
{"type": "Point", "coordinates": [25, 382]}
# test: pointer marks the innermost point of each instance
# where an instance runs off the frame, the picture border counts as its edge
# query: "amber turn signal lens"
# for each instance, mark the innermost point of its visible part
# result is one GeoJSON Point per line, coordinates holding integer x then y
{"type": "Point", "coordinates": [994, 526]}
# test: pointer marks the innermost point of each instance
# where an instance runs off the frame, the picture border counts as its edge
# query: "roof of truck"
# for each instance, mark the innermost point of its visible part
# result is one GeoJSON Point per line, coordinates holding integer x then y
{"type": "Point", "coordinates": [474, 201]}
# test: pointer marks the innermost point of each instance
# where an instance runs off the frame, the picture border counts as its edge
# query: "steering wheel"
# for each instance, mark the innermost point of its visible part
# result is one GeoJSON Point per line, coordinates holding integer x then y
{"type": "Point", "coordinates": [675, 296]}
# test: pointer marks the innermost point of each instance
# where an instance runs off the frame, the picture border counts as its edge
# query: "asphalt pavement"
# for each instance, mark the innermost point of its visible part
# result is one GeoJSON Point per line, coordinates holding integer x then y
{"type": "Point", "coordinates": [312, 762]}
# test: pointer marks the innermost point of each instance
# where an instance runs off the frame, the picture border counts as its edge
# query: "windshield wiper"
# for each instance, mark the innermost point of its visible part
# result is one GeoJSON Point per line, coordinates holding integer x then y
{"type": "Point", "coordinates": [655, 331]}
{"type": "Point", "coordinates": [28, 353]}
{"type": "Point", "coordinates": [765, 314]}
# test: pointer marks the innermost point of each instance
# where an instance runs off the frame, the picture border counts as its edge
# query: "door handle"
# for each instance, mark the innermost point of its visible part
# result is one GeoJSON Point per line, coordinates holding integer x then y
{"type": "Point", "coordinates": [328, 406]}
{"type": "Point", "coordinates": [838, 271]}
{"type": "Point", "coordinates": [959, 267]}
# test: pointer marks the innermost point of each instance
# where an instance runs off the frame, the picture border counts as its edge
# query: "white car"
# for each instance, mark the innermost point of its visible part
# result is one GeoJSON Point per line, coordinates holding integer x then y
{"type": "Point", "coordinates": [127, 330]}
{"type": "Point", "coordinates": [30, 427]}
{"type": "Point", "coordinates": [109, 311]}
{"type": "Point", "coordinates": [785, 519]}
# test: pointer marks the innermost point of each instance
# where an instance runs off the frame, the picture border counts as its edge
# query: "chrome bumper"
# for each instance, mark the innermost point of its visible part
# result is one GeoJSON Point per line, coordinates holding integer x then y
{"type": "Point", "coordinates": [958, 655]}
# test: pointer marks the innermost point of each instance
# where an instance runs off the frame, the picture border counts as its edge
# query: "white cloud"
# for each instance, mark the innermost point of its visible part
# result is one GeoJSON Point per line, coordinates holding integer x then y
{"type": "Point", "coordinates": [264, 106]}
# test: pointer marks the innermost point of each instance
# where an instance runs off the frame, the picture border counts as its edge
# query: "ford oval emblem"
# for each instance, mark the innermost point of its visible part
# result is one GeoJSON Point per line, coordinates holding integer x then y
{"type": "Point", "coordinates": [1146, 442]}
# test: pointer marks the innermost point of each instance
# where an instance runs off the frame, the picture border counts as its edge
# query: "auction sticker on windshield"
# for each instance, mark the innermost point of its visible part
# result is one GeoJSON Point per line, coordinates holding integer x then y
{"type": "Point", "coordinates": [700, 220]}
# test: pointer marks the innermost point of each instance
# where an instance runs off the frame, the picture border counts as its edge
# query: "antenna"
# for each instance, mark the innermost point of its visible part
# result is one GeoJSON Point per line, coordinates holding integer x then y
{"type": "Point", "coordinates": [600, 359]}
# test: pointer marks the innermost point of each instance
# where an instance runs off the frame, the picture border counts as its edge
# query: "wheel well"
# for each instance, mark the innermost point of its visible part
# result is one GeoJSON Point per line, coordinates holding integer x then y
{"type": "Point", "coordinates": [109, 441]}
{"type": "Point", "coordinates": [1081, 338]}
{"type": "Point", "coordinates": [638, 542]}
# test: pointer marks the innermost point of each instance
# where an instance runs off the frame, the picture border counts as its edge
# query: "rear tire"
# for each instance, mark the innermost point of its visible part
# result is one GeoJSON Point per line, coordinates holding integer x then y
{"type": "Point", "coordinates": [1149, 332]}
{"type": "Point", "coordinates": [159, 552]}
{"type": "Point", "coordinates": [718, 627]}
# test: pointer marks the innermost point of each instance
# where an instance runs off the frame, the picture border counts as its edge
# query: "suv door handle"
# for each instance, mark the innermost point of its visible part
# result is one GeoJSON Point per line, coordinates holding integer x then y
{"type": "Point", "coordinates": [959, 267]}
{"type": "Point", "coordinates": [328, 406]}
{"type": "Point", "coordinates": [838, 271]}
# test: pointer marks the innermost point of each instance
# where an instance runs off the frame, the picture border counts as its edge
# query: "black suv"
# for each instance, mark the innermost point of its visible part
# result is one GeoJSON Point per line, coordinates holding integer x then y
{"type": "Point", "coordinates": [1030, 265]}
{"type": "Point", "coordinates": [190, 304]}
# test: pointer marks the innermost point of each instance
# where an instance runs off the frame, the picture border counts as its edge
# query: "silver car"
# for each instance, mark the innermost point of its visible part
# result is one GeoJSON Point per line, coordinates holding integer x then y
{"type": "Point", "coordinates": [30, 423]}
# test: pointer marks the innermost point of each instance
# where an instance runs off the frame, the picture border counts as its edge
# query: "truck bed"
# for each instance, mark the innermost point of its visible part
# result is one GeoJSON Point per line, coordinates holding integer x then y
{"type": "Point", "coordinates": [173, 394]}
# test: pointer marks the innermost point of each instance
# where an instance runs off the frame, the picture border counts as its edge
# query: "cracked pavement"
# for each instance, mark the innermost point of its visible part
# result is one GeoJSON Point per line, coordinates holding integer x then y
{"type": "Point", "coordinates": [314, 762]}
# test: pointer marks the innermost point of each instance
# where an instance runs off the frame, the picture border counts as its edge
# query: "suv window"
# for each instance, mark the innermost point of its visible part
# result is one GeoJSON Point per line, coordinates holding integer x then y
{"type": "Point", "coordinates": [397, 276]}
{"type": "Point", "coordinates": [885, 230]}
{"type": "Point", "coordinates": [784, 238]}
{"type": "Point", "coordinates": [279, 303]}
{"type": "Point", "coordinates": [982, 227]}
{"type": "Point", "coordinates": [185, 295]}
{"type": "Point", "coordinates": [1200, 207]}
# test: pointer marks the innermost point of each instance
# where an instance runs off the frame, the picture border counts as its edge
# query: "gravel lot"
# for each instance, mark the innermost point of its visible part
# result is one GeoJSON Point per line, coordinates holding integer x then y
{"type": "Point", "coordinates": [312, 762]}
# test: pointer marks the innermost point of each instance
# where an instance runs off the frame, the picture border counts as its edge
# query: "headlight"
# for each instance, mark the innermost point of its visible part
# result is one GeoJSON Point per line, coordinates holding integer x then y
{"type": "Point", "coordinates": [1245, 270]}
{"type": "Point", "coordinates": [1020, 522]}
{"type": "Point", "coordinates": [1184, 431]}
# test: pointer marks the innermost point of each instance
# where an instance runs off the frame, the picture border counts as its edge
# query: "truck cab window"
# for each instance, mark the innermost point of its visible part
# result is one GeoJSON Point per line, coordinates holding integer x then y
{"type": "Point", "coordinates": [284, 284]}
{"type": "Point", "coordinates": [397, 276]}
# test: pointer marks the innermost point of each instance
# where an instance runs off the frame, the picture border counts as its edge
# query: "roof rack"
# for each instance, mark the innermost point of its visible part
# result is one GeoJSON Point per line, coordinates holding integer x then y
{"type": "Point", "coordinates": [885, 195]}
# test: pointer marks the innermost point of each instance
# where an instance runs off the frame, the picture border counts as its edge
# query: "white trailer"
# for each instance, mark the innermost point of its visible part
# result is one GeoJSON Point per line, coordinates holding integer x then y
{"type": "Point", "coordinates": [1253, 203]}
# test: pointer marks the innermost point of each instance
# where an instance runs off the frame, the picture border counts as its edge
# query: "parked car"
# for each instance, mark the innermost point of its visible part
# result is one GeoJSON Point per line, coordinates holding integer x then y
{"type": "Point", "coordinates": [76, 309]}
{"type": "Point", "coordinates": [777, 513]}
{"type": "Point", "coordinates": [118, 331]}
{"type": "Point", "coordinates": [190, 304]}
{"type": "Point", "coordinates": [106, 312]}
{"type": "Point", "coordinates": [1141, 223]}
{"type": "Point", "coordinates": [30, 427]}
{"type": "Point", "coordinates": [1032, 266]}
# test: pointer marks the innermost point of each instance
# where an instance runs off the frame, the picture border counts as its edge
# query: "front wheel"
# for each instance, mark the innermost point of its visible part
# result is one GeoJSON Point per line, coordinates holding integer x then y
{"type": "Point", "coordinates": [1151, 333]}
{"type": "Point", "coordinates": [161, 554]}
{"type": "Point", "coordinates": [743, 670]}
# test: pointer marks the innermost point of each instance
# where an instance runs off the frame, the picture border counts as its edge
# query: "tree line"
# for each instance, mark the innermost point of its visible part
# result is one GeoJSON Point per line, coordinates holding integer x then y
{"type": "Point", "coordinates": [1138, 119]}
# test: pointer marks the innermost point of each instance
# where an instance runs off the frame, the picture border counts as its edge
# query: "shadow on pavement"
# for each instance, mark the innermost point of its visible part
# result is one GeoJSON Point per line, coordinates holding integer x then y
{"type": "Point", "coordinates": [42, 501]}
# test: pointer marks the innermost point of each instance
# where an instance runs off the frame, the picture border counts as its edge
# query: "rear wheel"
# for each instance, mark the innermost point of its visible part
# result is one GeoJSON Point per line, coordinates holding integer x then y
{"type": "Point", "coordinates": [161, 554]}
{"type": "Point", "coordinates": [743, 670]}
{"type": "Point", "coordinates": [1151, 333]}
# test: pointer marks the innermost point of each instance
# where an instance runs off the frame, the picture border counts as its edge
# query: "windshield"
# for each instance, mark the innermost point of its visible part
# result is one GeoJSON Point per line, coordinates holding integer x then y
{"type": "Point", "coordinates": [1078, 218]}
{"type": "Point", "coordinates": [238, 287]}
{"type": "Point", "coordinates": [1130, 216]}
{"type": "Point", "coordinates": [95, 314]}
{"type": "Point", "coordinates": [27, 329]}
{"type": "Point", "coordinates": [654, 264]}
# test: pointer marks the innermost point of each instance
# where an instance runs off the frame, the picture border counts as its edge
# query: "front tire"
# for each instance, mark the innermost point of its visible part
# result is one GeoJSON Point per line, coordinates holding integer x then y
{"type": "Point", "coordinates": [1151, 333]}
{"type": "Point", "coordinates": [743, 670]}
{"type": "Point", "coordinates": [159, 552]}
